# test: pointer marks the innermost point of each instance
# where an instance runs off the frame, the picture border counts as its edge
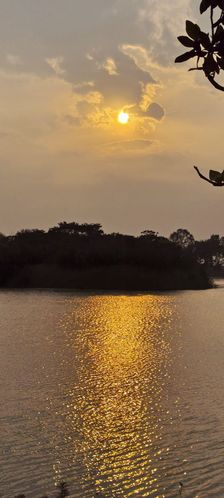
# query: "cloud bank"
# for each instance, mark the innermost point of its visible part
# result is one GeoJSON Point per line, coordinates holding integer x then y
{"type": "Point", "coordinates": [66, 70]}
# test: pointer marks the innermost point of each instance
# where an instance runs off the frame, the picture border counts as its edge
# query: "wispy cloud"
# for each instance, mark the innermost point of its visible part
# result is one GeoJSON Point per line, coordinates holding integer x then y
{"type": "Point", "coordinates": [14, 60]}
{"type": "Point", "coordinates": [137, 147]}
{"type": "Point", "coordinates": [110, 66]}
{"type": "Point", "coordinates": [55, 64]}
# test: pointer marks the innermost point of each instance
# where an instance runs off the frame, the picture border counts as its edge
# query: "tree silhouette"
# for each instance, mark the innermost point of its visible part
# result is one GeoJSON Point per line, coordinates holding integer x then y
{"type": "Point", "coordinates": [150, 234]}
{"type": "Point", "coordinates": [82, 256]}
{"type": "Point", "coordinates": [206, 48]}
{"type": "Point", "coordinates": [182, 237]}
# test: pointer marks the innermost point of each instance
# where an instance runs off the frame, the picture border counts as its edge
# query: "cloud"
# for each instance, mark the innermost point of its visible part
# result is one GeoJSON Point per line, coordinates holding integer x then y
{"type": "Point", "coordinates": [13, 59]}
{"type": "Point", "coordinates": [139, 55]}
{"type": "Point", "coordinates": [112, 50]}
{"type": "Point", "coordinates": [110, 66]}
{"type": "Point", "coordinates": [83, 57]}
{"type": "Point", "coordinates": [155, 111]}
{"type": "Point", "coordinates": [79, 27]}
{"type": "Point", "coordinates": [55, 64]}
{"type": "Point", "coordinates": [111, 54]}
{"type": "Point", "coordinates": [62, 149]}
{"type": "Point", "coordinates": [164, 21]}
{"type": "Point", "coordinates": [130, 147]}
{"type": "Point", "coordinates": [84, 87]}
{"type": "Point", "coordinates": [117, 78]}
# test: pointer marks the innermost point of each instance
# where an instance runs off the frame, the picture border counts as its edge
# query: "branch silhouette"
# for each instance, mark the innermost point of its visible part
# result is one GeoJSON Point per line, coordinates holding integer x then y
{"type": "Point", "coordinates": [206, 48]}
{"type": "Point", "coordinates": [215, 84]}
{"type": "Point", "coordinates": [218, 180]}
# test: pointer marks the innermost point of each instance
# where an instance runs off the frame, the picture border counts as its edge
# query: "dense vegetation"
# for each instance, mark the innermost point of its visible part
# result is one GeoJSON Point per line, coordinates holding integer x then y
{"type": "Point", "coordinates": [209, 253]}
{"type": "Point", "coordinates": [82, 256]}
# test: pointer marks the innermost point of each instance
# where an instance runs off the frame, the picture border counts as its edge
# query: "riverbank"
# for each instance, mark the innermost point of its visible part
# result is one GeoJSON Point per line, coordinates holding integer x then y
{"type": "Point", "coordinates": [114, 277]}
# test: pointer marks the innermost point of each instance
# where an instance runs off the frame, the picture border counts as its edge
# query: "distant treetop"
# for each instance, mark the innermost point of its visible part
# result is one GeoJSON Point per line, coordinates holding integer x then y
{"type": "Point", "coordinates": [73, 228]}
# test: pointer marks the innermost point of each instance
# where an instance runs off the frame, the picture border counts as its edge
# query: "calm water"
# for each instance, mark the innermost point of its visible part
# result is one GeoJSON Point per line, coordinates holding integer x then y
{"type": "Point", "coordinates": [121, 395]}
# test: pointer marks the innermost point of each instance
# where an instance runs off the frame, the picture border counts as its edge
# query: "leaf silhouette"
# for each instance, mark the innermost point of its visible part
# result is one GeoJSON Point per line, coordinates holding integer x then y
{"type": "Point", "coordinates": [187, 42]}
{"type": "Point", "coordinates": [205, 40]}
{"type": "Point", "coordinates": [221, 4]}
{"type": "Point", "coordinates": [193, 30]}
{"type": "Point", "coordinates": [219, 34]}
{"type": "Point", "coordinates": [207, 48]}
{"type": "Point", "coordinates": [210, 65]}
{"type": "Point", "coordinates": [220, 61]}
{"type": "Point", "coordinates": [205, 4]}
{"type": "Point", "coordinates": [186, 56]}
{"type": "Point", "coordinates": [215, 175]}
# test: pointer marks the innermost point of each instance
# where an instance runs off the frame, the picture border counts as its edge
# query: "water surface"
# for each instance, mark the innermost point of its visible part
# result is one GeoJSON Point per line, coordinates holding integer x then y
{"type": "Point", "coordinates": [120, 395]}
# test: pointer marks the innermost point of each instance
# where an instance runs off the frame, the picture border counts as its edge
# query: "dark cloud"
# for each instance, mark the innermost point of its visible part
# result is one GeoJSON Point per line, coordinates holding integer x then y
{"type": "Point", "coordinates": [155, 111]}
{"type": "Point", "coordinates": [74, 40]}
{"type": "Point", "coordinates": [35, 30]}
{"type": "Point", "coordinates": [120, 89]}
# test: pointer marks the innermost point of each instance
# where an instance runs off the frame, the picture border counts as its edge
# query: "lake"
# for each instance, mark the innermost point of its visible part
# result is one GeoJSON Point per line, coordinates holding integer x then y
{"type": "Point", "coordinates": [119, 395]}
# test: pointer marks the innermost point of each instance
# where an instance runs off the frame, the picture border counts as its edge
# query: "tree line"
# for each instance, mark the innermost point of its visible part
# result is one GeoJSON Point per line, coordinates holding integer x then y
{"type": "Point", "coordinates": [208, 252]}
{"type": "Point", "coordinates": [83, 256]}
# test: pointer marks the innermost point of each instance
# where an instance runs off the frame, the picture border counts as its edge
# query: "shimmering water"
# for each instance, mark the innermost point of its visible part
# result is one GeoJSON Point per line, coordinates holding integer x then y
{"type": "Point", "coordinates": [120, 395]}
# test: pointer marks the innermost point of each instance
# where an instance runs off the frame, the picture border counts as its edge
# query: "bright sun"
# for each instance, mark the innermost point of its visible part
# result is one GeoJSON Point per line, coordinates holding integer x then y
{"type": "Point", "coordinates": [123, 117]}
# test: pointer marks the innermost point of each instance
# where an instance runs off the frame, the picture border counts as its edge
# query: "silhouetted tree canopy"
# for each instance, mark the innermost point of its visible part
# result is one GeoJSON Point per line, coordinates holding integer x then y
{"type": "Point", "coordinates": [82, 256]}
{"type": "Point", "coordinates": [182, 237]}
{"type": "Point", "coordinates": [206, 48]}
{"type": "Point", "coordinates": [87, 229]}
{"type": "Point", "coordinates": [150, 234]}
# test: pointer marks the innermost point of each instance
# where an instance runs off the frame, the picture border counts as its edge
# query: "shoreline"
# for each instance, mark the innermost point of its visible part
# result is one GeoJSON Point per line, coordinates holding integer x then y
{"type": "Point", "coordinates": [118, 278]}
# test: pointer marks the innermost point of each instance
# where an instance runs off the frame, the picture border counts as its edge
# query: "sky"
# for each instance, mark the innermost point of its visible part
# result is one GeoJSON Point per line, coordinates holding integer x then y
{"type": "Point", "coordinates": [67, 68]}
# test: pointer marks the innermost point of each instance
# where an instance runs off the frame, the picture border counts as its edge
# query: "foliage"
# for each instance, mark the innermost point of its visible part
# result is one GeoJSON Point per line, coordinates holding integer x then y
{"type": "Point", "coordinates": [182, 237]}
{"type": "Point", "coordinates": [206, 48]}
{"type": "Point", "coordinates": [150, 234]}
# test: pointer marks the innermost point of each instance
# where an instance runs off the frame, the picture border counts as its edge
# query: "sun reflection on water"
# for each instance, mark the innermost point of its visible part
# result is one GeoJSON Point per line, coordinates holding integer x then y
{"type": "Point", "coordinates": [116, 395]}
{"type": "Point", "coordinates": [113, 410]}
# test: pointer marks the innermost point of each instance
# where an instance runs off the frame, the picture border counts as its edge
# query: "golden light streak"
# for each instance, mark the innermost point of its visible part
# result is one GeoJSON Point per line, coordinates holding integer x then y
{"type": "Point", "coordinates": [115, 393]}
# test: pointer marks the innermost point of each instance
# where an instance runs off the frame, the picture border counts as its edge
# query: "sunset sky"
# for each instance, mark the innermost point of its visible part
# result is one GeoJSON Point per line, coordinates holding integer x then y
{"type": "Point", "coordinates": [67, 69]}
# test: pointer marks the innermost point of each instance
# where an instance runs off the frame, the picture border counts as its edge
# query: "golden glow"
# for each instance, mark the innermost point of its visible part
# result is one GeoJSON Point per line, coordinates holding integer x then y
{"type": "Point", "coordinates": [123, 117]}
{"type": "Point", "coordinates": [118, 356]}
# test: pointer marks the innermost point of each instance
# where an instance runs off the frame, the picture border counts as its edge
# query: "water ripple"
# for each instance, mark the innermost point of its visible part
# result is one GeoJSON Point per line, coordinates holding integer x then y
{"type": "Point", "coordinates": [118, 395]}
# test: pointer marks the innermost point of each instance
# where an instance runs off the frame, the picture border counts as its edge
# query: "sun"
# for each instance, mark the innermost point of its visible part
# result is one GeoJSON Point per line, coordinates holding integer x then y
{"type": "Point", "coordinates": [123, 118]}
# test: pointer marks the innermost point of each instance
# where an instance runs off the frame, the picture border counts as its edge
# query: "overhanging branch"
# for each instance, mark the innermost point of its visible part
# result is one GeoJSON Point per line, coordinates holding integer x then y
{"type": "Point", "coordinates": [214, 83]}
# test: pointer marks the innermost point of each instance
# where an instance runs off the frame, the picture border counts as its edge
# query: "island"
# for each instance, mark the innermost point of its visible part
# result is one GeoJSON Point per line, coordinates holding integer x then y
{"type": "Point", "coordinates": [83, 257]}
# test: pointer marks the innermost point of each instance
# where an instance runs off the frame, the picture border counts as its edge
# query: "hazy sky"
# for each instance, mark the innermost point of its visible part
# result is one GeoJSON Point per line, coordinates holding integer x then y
{"type": "Point", "coordinates": [67, 67]}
